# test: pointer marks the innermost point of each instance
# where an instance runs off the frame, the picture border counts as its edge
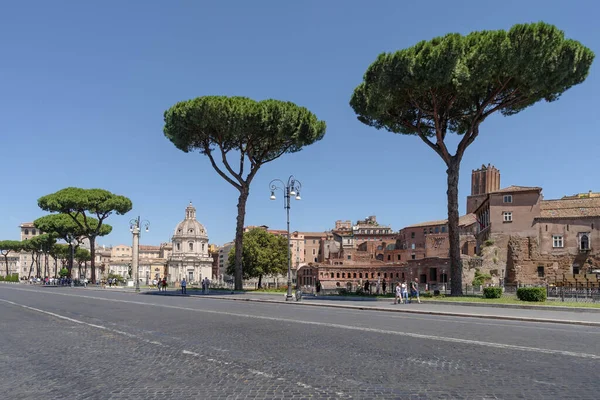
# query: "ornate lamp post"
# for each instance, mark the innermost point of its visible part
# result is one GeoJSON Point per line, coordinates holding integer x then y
{"type": "Point", "coordinates": [292, 188]}
{"type": "Point", "coordinates": [134, 227]}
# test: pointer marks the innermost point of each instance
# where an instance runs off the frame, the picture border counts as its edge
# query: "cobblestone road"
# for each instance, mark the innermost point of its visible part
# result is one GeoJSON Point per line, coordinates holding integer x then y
{"type": "Point", "coordinates": [75, 344]}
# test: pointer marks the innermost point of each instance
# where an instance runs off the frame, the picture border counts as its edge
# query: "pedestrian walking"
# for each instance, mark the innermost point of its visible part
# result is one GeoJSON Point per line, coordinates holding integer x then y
{"type": "Point", "coordinates": [398, 294]}
{"type": "Point", "coordinates": [404, 290]}
{"type": "Point", "coordinates": [183, 286]}
{"type": "Point", "coordinates": [207, 285]}
{"type": "Point", "coordinates": [384, 286]}
{"type": "Point", "coordinates": [414, 290]}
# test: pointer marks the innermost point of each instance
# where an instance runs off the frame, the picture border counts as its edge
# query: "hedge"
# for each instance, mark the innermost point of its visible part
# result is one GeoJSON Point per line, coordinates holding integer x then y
{"type": "Point", "coordinates": [532, 294]}
{"type": "Point", "coordinates": [492, 293]}
{"type": "Point", "coordinates": [10, 278]}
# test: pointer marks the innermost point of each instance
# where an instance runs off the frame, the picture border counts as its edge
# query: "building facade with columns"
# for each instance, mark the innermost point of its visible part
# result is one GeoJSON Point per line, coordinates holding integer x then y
{"type": "Point", "coordinates": [190, 257]}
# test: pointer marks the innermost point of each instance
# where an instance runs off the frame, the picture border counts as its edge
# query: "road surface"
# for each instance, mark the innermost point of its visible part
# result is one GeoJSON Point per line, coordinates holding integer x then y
{"type": "Point", "coordinates": [70, 343]}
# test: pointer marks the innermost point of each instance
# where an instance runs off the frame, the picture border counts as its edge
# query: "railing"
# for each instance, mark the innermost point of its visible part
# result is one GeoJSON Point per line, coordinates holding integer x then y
{"type": "Point", "coordinates": [572, 294]}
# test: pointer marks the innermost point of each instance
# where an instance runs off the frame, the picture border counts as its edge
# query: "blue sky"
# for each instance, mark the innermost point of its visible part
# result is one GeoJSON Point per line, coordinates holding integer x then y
{"type": "Point", "coordinates": [83, 88]}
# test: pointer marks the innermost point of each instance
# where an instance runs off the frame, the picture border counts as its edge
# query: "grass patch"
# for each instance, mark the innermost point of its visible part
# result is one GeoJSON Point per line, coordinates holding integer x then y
{"type": "Point", "coordinates": [512, 300]}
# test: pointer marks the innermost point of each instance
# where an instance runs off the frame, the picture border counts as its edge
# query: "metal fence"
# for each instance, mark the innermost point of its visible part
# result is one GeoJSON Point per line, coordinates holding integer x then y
{"type": "Point", "coordinates": [571, 294]}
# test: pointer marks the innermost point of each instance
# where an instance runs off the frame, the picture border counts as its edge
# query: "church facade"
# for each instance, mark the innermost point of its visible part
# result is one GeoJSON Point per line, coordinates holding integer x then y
{"type": "Point", "coordinates": [190, 257]}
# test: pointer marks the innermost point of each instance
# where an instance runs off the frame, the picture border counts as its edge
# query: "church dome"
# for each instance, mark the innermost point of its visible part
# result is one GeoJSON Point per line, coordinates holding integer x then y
{"type": "Point", "coordinates": [190, 227]}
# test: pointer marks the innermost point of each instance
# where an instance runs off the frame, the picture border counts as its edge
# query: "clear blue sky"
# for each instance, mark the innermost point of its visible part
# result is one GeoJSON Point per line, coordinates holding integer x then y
{"type": "Point", "coordinates": [83, 88]}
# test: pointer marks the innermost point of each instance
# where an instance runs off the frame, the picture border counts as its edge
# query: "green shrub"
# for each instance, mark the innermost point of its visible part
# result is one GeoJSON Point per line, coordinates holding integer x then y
{"type": "Point", "coordinates": [480, 278]}
{"type": "Point", "coordinates": [488, 243]}
{"type": "Point", "coordinates": [532, 294]}
{"type": "Point", "coordinates": [343, 292]}
{"type": "Point", "coordinates": [1, 278]}
{"type": "Point", "coordinates": [492, 293]}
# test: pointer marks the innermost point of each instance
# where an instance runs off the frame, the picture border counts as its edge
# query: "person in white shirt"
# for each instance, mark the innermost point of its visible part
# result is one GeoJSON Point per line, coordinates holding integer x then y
{"type": "Point", "coordinates": [404, 289]}
{"type": "Point", "coordinates": [183, 286]}
{"type": "Point", "coordinates": [398, 294]}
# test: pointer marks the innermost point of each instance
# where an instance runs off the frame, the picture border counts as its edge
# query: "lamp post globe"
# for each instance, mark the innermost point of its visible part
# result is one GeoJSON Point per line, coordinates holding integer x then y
{"type": "Point", "coordinates": [289, 189]}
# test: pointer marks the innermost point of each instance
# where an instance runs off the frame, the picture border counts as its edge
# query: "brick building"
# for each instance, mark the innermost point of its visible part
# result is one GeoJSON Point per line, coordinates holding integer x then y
{"type": "Point", "coordinates": [525, 239]}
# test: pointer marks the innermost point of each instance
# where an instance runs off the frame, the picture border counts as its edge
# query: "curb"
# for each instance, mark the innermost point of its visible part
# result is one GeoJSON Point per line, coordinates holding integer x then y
{"type": "Point", "coordinates": [439, 313]}
{"type": "Point", "coordinates": [517, 306]}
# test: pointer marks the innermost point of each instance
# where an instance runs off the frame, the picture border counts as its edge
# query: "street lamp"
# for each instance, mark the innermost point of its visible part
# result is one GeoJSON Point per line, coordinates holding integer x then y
{"type": "Point", "coordinates": [134, 227]}
{"type": "Point", "coordinates": [72, 243]}
{"type": "Point", "coordinates": [292, 188]}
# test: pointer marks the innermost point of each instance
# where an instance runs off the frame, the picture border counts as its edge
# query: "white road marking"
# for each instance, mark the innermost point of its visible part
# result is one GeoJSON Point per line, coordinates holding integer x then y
{"type": "Point", "coordinates": [346, 327]}
{"type": "Point", "coordinates": [254, 371]}
{"type": "Point", "coordinates": [402, 316]}
{"type": "Point", "coordinates": [130, 335]}
{"type": "Point", "coordinates": [76, 321]}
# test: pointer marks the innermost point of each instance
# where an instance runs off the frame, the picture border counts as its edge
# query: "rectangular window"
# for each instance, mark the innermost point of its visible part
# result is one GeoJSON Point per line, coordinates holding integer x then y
{"type": "Point", "coordinates": [540, 271]}
{"type": "Point", "coordinates": [507, 199]}
{"type": "Point", "coordinates": [389, 257]}
{"type": "Point", "coordinates": [413, 256]}
{"type": "Point", "coordinates": [314, 252]}
{"type": "Point", "coordinates": [412, 246]}
{"type": "Point", "coordinates": [398, 257]}
{"type": "Point", "coordinates": [412, 235]}
{"type": "Point", "coordinates": [557, 241]}
{"type": "Point", "coordinates": [507, 216]}
{"type": "Point", "coordinates": [349, 258]}
{"type": "Point", "coordinates": [443, 229]}
{"type": "Point", "coordinates": [575, 270]}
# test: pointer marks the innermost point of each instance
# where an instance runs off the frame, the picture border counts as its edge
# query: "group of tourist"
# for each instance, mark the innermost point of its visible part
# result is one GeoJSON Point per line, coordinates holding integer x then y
{"type": "Point", "coordinates": [402, 292]}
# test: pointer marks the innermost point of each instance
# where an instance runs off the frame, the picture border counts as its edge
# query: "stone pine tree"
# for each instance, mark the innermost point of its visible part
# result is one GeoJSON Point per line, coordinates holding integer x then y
{"type": "Point", "coordinates": [7, 247]}
{"type": "Point", "coordinates": [451, 84]}
{"type": "Point", "coordinates": [65, 227]}
{"type": "Point", "coordinates": [263, 254]}
{"type": "Point", "coordinates": [239, 135]}
{"type": "Point", "coordinates": [81, 204]}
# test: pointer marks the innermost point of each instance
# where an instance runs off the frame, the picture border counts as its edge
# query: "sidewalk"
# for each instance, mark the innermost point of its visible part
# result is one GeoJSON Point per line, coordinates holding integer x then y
{"type": "Point", "coordinates": [562, 315]}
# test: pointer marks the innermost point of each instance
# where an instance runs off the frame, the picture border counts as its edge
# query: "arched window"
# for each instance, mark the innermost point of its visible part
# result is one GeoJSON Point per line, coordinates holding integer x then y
{"type": "Point", "coordinates": [191, 246]}
{"type": "Point", "coordinates": [385, 274]}
{"type": "Point", "coordinates": [332, 275]}
{"type": "Point", "coordinates": [372, 274]}
{"type": "Point", "coordinates": [338, 274]}
{"type": "Point", "coordinates": [343, 274]}
{"type": "Point", "coordinates": [360, 274]}
{"type": "Point", "coordinates": [27, 231]}
{"type": "Point", "coordinates": [584, 242]}
{"type": "Point", "coordinates": [202, 246]}
{"type": "Point", "coordinates": [178, 245]}
{"type": "Point", "coordinates": [355, 275]}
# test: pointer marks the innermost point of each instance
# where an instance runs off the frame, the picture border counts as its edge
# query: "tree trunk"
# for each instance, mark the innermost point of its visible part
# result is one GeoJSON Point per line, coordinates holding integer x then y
{"type": "Point", "coordinates": [260, 281]}
{"type": "Point", "coordinates": [6, 261]}
{"type": "Point", "coordinates": [239, 237]}
{"type": "Point", "coordinates": [93, 258]}
{"type": "Point", "coordinates": [32, 264]}
{"type": "Point", "coordinates": [453, 227]}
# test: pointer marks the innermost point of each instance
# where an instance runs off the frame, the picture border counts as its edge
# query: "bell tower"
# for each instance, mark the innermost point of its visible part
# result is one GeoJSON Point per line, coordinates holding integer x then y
{"type": "Point", "coordinates": [483, 181]}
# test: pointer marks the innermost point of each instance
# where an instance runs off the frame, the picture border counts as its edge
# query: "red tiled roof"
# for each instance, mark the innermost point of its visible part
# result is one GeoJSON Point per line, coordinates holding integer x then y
{"type": "Point", "coordinates": [570, 208]}
{"type": "Point", "coordinates": [149, 248]}
{"type": "Point", "coordinates": [465, 220]}
{"type": "Point", "coordinates": [515, 188]}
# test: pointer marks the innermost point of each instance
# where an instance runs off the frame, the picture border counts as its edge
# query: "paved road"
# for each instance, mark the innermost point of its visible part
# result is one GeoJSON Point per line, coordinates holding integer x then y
{"type": "Point", "coordinates": [64, 343]}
